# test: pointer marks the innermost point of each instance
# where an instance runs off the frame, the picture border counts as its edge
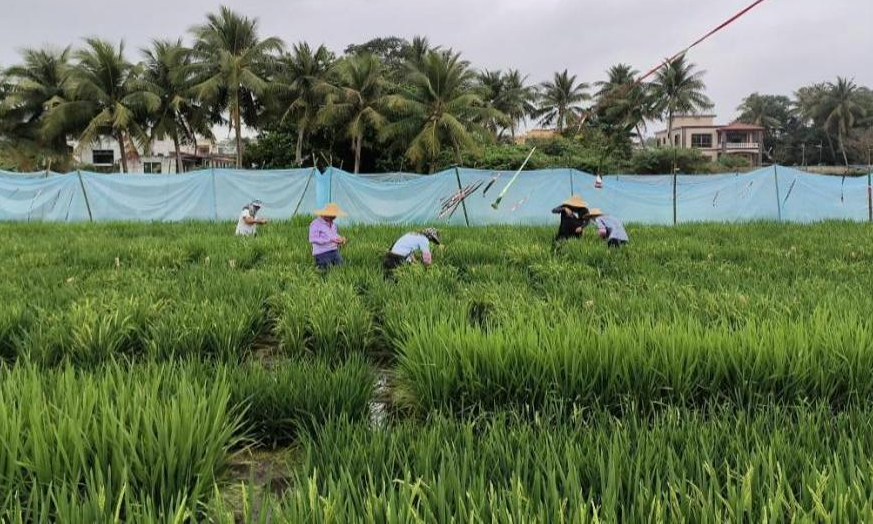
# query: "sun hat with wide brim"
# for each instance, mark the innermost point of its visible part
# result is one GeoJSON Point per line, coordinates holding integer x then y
{"type": "Point", "coordinates": [432, 234]}
{"type": "Point", "coordinates": [575, 201]}
{"type": "Point", "coordinates": [331, 210]}
{"type": "Point", "coordinates": [593, 213]}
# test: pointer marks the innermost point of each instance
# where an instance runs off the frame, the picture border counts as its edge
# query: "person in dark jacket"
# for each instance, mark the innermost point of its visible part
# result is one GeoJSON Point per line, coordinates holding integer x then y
{"type": "Point", "coordinates": [573, 221]}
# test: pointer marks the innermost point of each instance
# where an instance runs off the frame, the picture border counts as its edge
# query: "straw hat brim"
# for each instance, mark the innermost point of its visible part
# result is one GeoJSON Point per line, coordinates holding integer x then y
{"type": "Point", "coordinates": [575, 202]}
{"type": "Point", "coordinates": [331, 211]}
{"type": "Point", "coordinates": [594, 213]}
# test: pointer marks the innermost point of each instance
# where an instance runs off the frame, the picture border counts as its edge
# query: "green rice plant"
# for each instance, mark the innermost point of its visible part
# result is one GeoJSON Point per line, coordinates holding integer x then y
{"type": "Point", "coordinates": [776, 465]}
{"type": "Point", "coordinates": [545, 354]}
{"type": "Point", "coordinates": [331, 321]}
{"type": "Point", "coordinates": [90, 331]}
{"type": "Point", "coordinates": [147, 439]}
{"type": "Point", "coordinates": [209, 329]}
{"type": "Point", "coordinates": [298, 396]}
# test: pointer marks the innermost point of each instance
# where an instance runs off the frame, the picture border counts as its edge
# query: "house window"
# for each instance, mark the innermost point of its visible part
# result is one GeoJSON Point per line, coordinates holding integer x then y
{"type": "Point", "coordinates": [701, 140]}
{"type": "Point", "coordinates": [676, 140]}
{"type": "Point", "coordinates": [103, 157]}
{"type": "Point", "coordinates": [153, 168]}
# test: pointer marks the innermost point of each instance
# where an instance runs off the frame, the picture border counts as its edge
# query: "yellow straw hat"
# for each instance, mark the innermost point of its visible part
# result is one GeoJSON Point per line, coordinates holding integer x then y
{"type": "Point", "coordinates": [331, 210]}
{"type": "Point", "coordinates": [575, 201]}
{"type": "Point", "coordinates": [594, 213]}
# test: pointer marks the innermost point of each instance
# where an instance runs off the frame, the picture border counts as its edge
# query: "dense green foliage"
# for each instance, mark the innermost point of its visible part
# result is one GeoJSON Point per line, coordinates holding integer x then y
{"type": "Point", "coordinates": [703, 372]}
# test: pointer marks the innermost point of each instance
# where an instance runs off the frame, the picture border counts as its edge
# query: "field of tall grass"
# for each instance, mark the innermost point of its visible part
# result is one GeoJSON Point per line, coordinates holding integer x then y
{"type": "Point", "coordinates": [704, 373]}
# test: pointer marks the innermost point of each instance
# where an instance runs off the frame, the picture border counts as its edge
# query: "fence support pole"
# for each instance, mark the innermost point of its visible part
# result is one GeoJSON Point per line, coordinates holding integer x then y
{"type": "Point", "coordinates": [463, 200]}
{"type": "Point", "coordinates": [85, 194]}
{"type": "Point", "coordinates": [305, 189]}
{"type": "Point", "coordinates": [674, 196]}
{"type": "Point", "coordinates": [778, 198]}
{"type": "Point", "coordinates": [869, 199]}
{"type": "Point", "coordinates": [214, 196]}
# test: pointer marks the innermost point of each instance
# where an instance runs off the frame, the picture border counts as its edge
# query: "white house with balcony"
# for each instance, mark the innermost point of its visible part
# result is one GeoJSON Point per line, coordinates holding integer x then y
{"type": "Point", "coordinates": [714, 141]}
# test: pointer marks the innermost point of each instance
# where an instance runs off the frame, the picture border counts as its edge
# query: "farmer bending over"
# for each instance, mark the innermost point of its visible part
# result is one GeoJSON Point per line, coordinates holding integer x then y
{"type": "Point", "coordinates": [403, 251]}
{"type": "Point", "coordinates": [573, 220]}
{"type": "Point", "coordinates": [610, 228]}
{"type": "Point", "coordinates": [324, 237]}
{"type": "Point", "coordinates": [248, 220]}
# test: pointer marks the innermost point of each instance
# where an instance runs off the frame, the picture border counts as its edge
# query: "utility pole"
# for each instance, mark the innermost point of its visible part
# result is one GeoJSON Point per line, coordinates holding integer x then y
{"type": "Point", "coordinates": [803, 153]}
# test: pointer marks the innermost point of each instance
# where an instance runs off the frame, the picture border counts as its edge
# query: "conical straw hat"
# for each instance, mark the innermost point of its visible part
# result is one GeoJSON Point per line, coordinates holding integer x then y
{"type": "Point", "coordinates": [331, 210]}
{"type": "Point", "coordinates": [575, 201]}
{"type": "Point", "coordinates": [594, 213]}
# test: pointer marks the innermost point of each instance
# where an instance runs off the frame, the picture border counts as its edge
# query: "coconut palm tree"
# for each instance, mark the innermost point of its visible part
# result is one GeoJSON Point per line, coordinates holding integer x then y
{"type": "Point", "coordinates": [679, 89]}
{"type": "Point", "coordinates": [509, 96]}
{"type": "Point", "coordinates": [30, 88]}
{"type": "Point", "coordinates": [759, 110]}
{"type": "Point", "coordinates": [519, 99]}
{"type": "Point", "coordinates": [167, 70]}
{"type": "Point", "coordinates": [622, 102]}
{"type": "Point", "coordinates": [439, 110]}
{"type": "Point", "coordinates": [357, 101]}
{"type": "Point", "coordinates": [302, 88]}
{"type": "Point", "coordinates": [231, 64]}
{"type": "Point", "coordinates": [842, 109]}
{"type": "Point", "coordinates": [559, 99]}
{"type": "Point", "coordinates": [418, 49]}
{"type": "Point", "coordinates": [105, 91]}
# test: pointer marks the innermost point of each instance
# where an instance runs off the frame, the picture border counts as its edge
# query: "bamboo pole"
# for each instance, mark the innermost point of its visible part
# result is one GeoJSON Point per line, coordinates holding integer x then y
{"type": "Point", "coordinates": [778, 198]}
{"type": "Point", "coordinates": [85, 194]}
{"type": "Point", "coordinates": [305, 189]}
{"type": "Point", "coordinates": [463, 200]}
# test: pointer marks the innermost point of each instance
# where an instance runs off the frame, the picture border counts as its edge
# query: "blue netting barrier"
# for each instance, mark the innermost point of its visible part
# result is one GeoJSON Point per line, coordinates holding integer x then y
{"type": "Point", "coordinates": [774, 193]}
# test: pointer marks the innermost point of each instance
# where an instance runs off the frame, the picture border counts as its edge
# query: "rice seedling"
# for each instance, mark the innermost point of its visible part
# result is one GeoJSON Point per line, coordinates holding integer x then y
{"type": "Point", "coordinates": [149, 438]}
{"type": "Point", "coordinates": [780, 465]}
{"type": "Point", "coordinates": [299, 396]}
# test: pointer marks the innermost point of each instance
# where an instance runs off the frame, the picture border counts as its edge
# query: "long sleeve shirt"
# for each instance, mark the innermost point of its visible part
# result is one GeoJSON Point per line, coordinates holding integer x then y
{"type": "Point", "coordinates": [570, 223]}
{"type": "Point", "coordinates": [322, 236]}
{"type": "Point", "coordinates": [613, 227]}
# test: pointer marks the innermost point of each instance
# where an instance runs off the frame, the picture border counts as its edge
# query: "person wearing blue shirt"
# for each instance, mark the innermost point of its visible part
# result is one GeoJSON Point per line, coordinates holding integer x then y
{"type": "Point", "coordinates": [609, 228]}
{"type": "Point", "coordinates": [403, 251]}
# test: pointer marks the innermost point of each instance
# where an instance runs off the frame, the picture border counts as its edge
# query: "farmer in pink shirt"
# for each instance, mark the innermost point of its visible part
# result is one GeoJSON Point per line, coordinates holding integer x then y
{"type": "Point", "coordinates": [325, 238]}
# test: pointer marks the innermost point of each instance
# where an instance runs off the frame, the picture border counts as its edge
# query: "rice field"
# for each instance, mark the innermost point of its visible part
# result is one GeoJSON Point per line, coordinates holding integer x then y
{"type": "Point", "coordinates": [175, 373]}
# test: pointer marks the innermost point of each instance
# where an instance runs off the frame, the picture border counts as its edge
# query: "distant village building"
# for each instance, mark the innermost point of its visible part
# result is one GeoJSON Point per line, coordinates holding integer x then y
{"type": "Point", "coordinates": [104, 156]}
{"type": "Point", "coordinates": [536, 134]}
{"type": "Point", "coordinates": [714, 141]}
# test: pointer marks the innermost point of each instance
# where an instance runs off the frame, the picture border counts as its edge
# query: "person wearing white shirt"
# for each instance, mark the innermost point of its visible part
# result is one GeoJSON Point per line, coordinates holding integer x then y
{"type": "Point", "coordinates": [403, 251]}
{"type": "Point", "coordinates": [248, 222]}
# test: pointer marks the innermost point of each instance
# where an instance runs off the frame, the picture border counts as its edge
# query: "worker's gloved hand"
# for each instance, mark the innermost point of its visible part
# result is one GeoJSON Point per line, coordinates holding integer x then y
{"type": "Point", "coordinates": [579, 230]}
{"type": "Point", "coordinates": [602, 233]}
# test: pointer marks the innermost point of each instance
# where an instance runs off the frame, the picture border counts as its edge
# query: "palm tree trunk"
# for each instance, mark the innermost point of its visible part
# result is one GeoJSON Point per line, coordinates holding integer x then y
{"type": "Point", "coordinates": [670, 127]}
{"type": "Point", "coordinates": [639, 133]}
{"type": "Point", "coordinates": [560, 121]}
{"type": "Point", "coordinates": [123, 149]}
{"type": "Point", "coordinates": [358, 142]}
{"type": "Point", "coordinates": [238, 126]}
{"type": "Point", "coordinates": [843, 148]}
{"type": "Point", "coordinates": [178, 151]}
{"type": "Point", "coordinates": [831, 145]}
{"type": "Point", "coordinates": [299, 153]}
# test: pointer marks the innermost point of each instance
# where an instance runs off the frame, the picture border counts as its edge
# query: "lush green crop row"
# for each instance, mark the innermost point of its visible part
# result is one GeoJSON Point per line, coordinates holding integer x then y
{"type": "Point", "coordinates": [152, 439]}
{"type": "Point", "coordinates": [798, 465]}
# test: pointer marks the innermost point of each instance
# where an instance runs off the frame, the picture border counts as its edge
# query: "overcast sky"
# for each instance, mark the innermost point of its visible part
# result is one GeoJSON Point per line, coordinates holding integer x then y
{"type": "Point", "coordinates": [777, 47]}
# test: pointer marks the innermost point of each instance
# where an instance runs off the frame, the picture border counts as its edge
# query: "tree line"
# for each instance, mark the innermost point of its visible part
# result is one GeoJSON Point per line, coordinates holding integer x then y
{"type": "Point", "coordinates": [387, 104]}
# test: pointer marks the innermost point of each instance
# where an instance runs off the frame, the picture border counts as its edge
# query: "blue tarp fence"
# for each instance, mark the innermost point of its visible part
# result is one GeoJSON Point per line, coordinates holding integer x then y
{"type": "Point", "coordinates": [773, 193]}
